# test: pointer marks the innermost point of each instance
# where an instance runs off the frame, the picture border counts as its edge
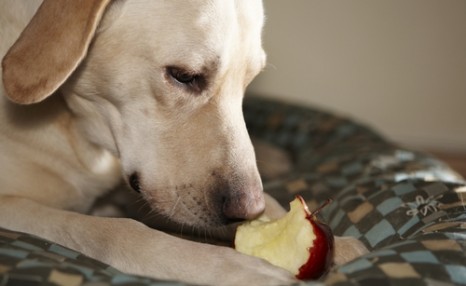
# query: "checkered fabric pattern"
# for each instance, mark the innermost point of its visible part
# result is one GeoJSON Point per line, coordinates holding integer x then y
{"type": "Point", "coordinates": [408, 208]}
{"type": "Point", "coordinates": [26, 260]}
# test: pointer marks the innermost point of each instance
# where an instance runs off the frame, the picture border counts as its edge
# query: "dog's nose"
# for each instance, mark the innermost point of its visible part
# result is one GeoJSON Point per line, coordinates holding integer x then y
{"type": "Point", "coordinates": [243, 205]}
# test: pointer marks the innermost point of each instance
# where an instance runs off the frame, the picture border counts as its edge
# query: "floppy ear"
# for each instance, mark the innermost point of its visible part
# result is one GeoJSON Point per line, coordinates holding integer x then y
{"type": "Point", "coordinates": [50, 48]}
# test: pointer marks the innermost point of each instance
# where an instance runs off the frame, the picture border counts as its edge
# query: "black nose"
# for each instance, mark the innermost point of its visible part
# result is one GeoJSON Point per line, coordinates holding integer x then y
{"type": "Point", "coordinates": [134, 182]}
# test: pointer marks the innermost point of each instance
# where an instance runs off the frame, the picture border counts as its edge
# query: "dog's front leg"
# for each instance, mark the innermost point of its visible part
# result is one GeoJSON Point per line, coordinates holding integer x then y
{"type": "Point", "coordinates": [134, 248]}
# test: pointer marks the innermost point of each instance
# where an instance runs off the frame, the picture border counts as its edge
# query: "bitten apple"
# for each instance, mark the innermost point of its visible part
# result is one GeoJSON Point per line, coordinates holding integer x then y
{"type": "Point", "coordinates": [298, 242]}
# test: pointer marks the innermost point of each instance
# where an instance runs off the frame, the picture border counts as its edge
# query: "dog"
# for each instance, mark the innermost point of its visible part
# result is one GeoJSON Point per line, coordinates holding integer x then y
{"type": "Point", "coordinates": [149, 92]}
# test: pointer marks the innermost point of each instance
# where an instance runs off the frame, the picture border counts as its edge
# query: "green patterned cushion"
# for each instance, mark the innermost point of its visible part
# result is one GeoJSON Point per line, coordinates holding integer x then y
{"type": "Point", "coordinates": [406, 207]}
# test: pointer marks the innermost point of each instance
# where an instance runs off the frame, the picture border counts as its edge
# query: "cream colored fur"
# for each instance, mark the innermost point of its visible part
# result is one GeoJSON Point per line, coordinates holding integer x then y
{"type": "Point", "coordinates": [89, 98]}
{"type": "Point", "coordinates": [110, 109]}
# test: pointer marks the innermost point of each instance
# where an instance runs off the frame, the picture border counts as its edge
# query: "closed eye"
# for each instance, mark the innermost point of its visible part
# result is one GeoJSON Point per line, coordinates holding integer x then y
{"type": "Point", "coordinates": [188, 80]}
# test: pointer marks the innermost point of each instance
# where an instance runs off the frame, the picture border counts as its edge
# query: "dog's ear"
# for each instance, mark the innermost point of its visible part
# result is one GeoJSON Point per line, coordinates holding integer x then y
{"type": "Point", "coordinates": [50, 48]}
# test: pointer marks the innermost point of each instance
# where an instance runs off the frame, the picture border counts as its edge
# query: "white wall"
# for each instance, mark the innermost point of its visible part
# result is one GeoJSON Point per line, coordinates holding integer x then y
{"type": "Point", "coordinates": [398, 65]}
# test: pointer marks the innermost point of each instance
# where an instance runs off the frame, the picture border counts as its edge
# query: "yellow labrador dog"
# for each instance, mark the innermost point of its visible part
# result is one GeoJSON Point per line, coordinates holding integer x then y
{"type": "Point", "coordinates": [147, 90]}
{"type": "Point", "coordinates": [151, 90]}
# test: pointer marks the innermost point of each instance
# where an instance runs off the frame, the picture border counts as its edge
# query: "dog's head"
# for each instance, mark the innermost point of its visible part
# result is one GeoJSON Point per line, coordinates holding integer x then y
{"type": "Point", "coordinates": [160, 84]}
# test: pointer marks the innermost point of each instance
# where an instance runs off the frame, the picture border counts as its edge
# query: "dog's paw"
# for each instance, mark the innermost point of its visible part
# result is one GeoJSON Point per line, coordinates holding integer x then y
{"type": "Point", "coordinates": [348, 248]}
{"type": "Point", "coordinates": [273, 210]}
{"type": "Point", "coordinates": [248, 270]}
{"type": "Point", "coordinates": [272, 161]}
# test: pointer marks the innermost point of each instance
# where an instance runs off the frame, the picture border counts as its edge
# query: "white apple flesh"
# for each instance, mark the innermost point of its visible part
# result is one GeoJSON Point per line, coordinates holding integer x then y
{"type": "Point", "coordinates": [297, 242]}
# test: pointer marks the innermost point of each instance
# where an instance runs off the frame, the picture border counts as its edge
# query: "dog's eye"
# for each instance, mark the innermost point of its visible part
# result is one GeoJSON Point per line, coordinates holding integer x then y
{"type": "Point", "coordinates": [182, 76]}
{"type": "Point", "coordinates": [191, 81]}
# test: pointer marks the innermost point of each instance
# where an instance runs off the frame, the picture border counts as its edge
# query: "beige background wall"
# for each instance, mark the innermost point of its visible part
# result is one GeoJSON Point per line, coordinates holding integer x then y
{"type": "Point", "coordinates": [399, 65]}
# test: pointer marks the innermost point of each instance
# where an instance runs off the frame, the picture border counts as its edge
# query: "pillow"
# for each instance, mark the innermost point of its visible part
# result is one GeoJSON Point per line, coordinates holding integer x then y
{"type": "Point", "coordinates": [408, 208]}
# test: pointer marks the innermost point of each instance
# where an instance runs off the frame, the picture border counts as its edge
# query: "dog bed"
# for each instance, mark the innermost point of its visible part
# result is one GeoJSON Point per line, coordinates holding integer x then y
{"type": "Point", "coordinates": [408, 208]}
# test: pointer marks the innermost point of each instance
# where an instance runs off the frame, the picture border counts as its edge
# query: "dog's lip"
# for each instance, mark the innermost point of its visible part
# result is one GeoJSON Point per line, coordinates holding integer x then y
{"type": "Point", "coordinates": [214, 222]}
{"type": "Point", "coordinates": [134, 182]}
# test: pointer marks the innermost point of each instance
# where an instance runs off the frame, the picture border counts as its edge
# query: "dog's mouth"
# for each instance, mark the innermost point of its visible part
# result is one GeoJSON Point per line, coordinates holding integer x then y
{"type": "Point", "coordinates": [134, 183]}
{"type": "Point", "coordinates": [189, 218]}
{"type": "Point", "coordinates": [215, 206]}
{"type": "Point", "coordinates": [186, 208]}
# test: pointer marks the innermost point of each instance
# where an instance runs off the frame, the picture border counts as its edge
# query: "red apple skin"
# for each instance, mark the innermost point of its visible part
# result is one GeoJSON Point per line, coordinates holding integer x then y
{"type": "Point", "coordinates": [321, 254]}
